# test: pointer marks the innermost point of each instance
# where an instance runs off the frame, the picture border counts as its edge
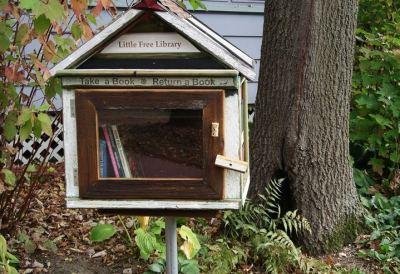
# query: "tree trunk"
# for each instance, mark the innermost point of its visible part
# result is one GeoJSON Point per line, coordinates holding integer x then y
{"type": "Point", "coordinates": [302, 114]}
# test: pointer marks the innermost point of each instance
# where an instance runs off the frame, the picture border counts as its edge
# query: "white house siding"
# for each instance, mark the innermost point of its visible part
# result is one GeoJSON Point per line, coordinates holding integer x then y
{"type": "Point", "coordinates": [241, 23]}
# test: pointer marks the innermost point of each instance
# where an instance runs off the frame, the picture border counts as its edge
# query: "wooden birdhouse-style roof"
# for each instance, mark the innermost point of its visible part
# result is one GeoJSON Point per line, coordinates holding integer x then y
{"type": "Point", "coordinates": [195, 37]}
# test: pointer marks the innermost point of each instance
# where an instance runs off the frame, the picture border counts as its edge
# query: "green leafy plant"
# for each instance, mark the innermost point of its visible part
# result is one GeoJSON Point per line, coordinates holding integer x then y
{"type": "Point", "coordinates": [150, 242]}
{"type": "Point", "coordinates": [375, 128]}
{"type": "Point", "coordinates": [383, 220]}
{"type": "Point", "coordinates": [222, 256]}
{"type": "Point", "coordinates": [266, 230]}
{"type": "Point", "coordinates": [375, 115]}
{"type": "Point", "coordinates": [8, 262]}
{"type": "Point", "coordinates": [102, 232]}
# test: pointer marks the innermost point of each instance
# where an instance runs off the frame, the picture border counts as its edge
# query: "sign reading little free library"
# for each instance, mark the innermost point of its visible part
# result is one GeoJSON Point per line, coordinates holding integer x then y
{"type": "Point", "coordinates": [153, 81]}
{"type": "Point", "coordinates": [150, 43]}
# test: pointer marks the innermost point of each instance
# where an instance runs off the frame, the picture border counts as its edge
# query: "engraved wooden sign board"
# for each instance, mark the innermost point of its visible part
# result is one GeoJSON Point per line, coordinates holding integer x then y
{"type": "Point", "coordinates": [110, 81]}
{"type": "Point", "coordinates": [154, 42]}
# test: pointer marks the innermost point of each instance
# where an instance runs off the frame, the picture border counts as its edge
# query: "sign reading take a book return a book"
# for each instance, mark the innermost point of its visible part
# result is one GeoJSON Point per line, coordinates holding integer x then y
{"type": "Point", "coordinates": [114, 81]}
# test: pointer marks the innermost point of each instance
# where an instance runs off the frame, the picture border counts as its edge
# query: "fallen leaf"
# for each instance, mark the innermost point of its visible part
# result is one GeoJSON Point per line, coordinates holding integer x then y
{"type": "Point", "coordinates": [329, 260]}
{"type": "Point", "coordinates": [100, 254]}
{"type": "Point", "coordinates": [36, 264]}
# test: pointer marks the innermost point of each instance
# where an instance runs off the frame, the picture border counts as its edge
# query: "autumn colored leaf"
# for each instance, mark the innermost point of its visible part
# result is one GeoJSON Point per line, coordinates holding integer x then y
{"type": "Point", "coordinates": [191, 244]}
{"type": "Point", "coordinates": [49, 51]}
{"type": "Point", "coordinates": [78, 6]}
{"type": "Point", "coordinates": [329, 260]}
{"type": "Point", "coordinates": [106, 4]}
{"type": "Point", "coordinates": [87, 31]}
{"type": "Point", "coordinates": [377, 165]}
{"type": "Point", "coordinates": [97, 9]}
{"type": "Point", "coordinates": [42, 67]}
{"type": "Point", "coordinates": [2, 186]}
{"type": "Point", "coordinates": [13, 74]}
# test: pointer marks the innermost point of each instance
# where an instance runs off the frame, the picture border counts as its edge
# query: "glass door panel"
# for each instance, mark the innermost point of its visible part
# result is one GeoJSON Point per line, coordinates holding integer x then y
{"type": "Point", "coordinates": [150, 143]}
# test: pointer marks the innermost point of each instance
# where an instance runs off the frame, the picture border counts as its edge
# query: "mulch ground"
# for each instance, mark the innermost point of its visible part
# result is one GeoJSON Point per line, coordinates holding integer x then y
{"type": "Point", "coordinates": [58, 240]}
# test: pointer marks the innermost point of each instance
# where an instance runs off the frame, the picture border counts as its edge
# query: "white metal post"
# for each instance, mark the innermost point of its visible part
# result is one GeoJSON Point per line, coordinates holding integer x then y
{"type": "Point", "coordinates": [172, 246]}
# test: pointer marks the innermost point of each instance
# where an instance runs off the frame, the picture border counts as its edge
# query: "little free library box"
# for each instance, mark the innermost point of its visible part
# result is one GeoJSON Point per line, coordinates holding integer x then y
{"type": "Point", "coordinates": [155, 116]}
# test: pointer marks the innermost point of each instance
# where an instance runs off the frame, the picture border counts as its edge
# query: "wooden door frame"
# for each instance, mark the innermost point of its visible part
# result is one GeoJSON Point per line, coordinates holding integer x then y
{"type": "Point", "coordinates": [210, 187]}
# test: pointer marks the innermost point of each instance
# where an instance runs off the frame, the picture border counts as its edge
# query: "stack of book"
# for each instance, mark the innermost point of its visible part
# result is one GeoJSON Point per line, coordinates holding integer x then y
{"type": "Point", "coordinates": [112, 154]}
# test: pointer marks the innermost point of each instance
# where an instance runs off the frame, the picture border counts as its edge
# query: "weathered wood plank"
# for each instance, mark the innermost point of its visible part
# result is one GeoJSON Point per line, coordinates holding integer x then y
{"type": "Point", "coordinates": [149, 72]}
{"type": "Point", "coordinates": [232, 143]}
{"type": "Point", "coordinates": [154, 204]}
{"type": "Point", "coordinates": [70, 143]}
{"type": "Point", "coordinates": [246, 176]}
{"type": "Point", "coordinates": [154, 81]}
{"type": "Point", "coordinates": [232, 164]}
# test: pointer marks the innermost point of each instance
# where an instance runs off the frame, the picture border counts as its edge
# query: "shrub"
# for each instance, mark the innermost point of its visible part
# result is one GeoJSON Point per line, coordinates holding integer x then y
{"type": "Point", "coordinates": [375, 115]}
{"type": "Point", "coordinates": [31, 40]}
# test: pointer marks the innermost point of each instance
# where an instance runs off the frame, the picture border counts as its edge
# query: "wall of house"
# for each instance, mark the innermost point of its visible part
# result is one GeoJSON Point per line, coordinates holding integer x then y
{"type": "Point", "coordinates": [241, 23]}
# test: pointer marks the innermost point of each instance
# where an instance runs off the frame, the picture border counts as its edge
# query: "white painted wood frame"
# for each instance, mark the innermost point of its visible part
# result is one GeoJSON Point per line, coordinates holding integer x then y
{"type": "Point", "coordinates": [232, 179]}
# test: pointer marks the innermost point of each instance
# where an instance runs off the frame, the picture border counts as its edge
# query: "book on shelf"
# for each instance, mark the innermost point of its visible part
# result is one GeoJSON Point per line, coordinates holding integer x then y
{"type": "Point", "coordinates": [116, 153]}
{"type": "Point", "coordinates": [121, 152]}
{"type": "Point", "coordinates": [103, 158]}
{"type": "Point", "coordinates": [110, 151]}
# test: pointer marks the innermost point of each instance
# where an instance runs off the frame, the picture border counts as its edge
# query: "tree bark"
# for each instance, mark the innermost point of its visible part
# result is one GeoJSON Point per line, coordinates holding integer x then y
{"type": "Point", "coordinates": [301, 123]}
